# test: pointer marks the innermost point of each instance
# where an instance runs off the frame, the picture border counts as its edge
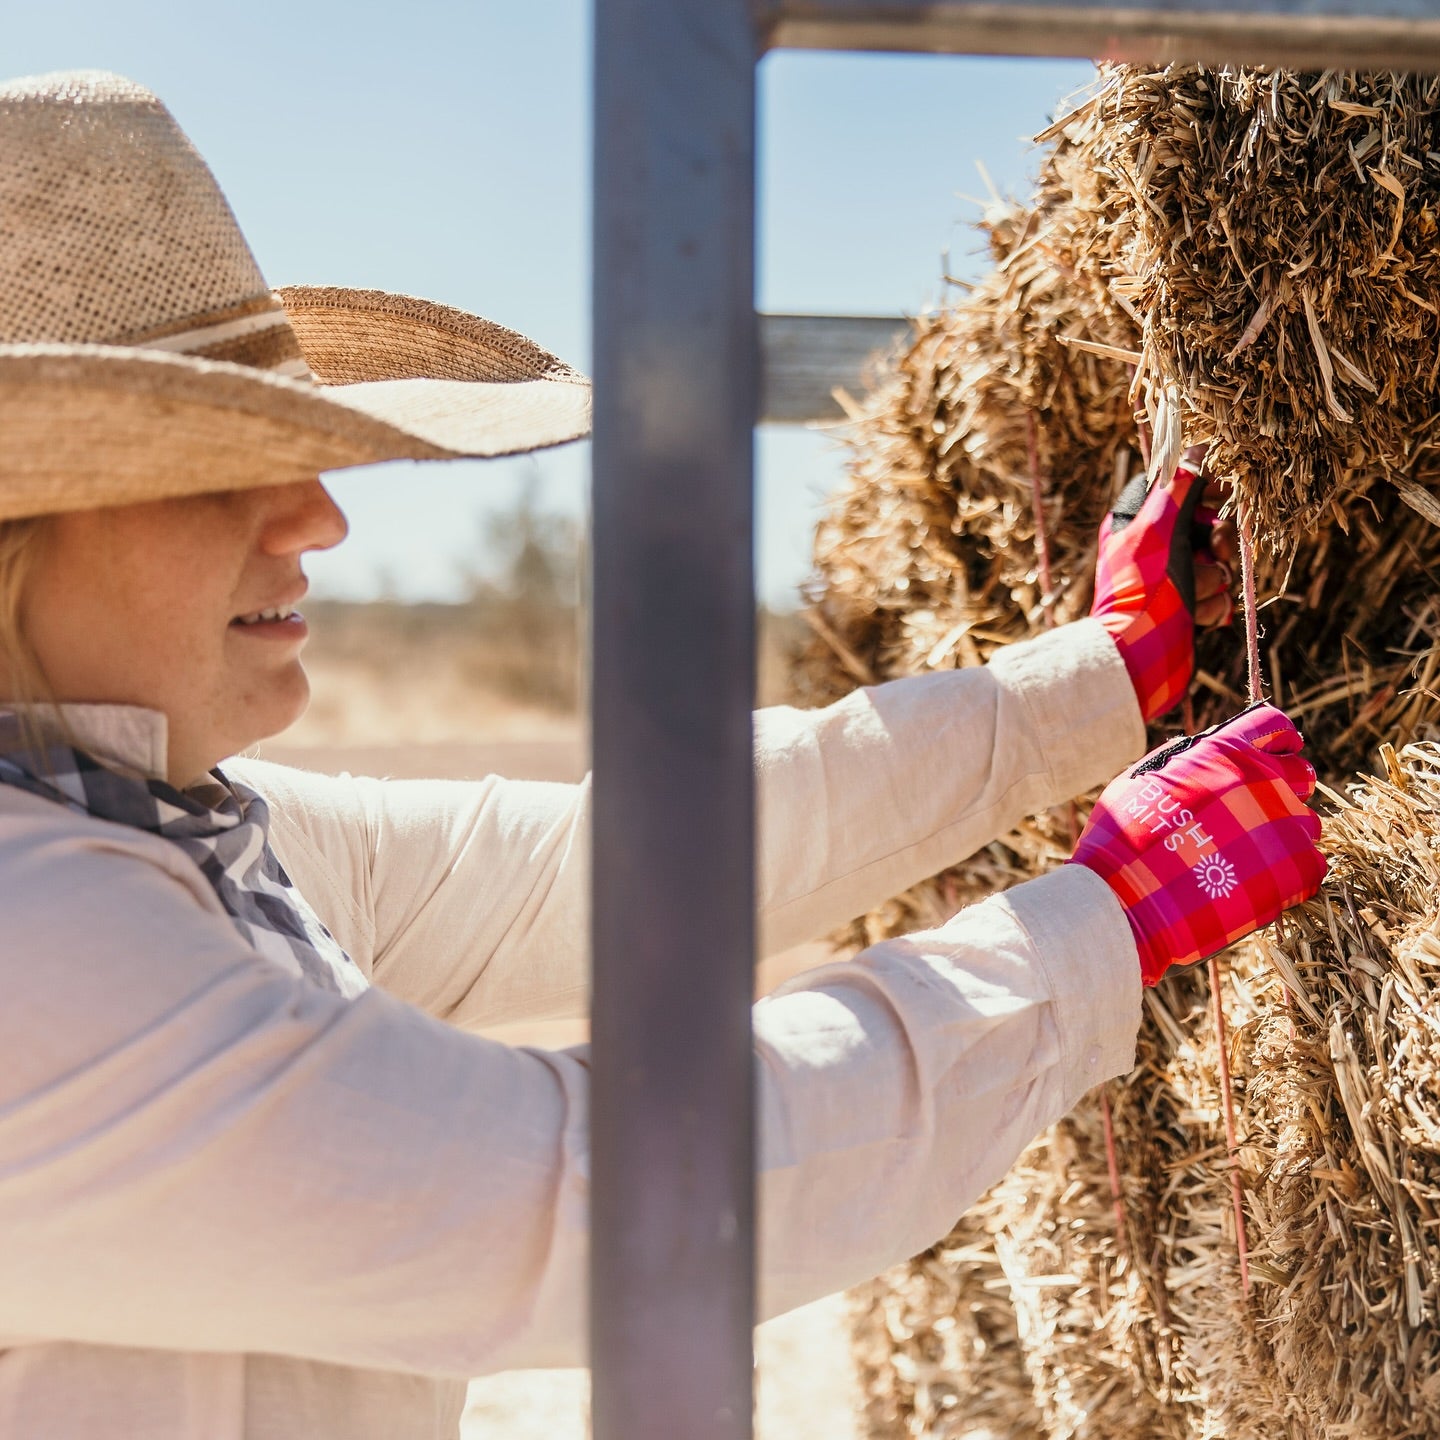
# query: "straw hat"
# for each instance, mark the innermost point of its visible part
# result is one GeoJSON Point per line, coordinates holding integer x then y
{"type": "Point", "coordinates": [143, 355]}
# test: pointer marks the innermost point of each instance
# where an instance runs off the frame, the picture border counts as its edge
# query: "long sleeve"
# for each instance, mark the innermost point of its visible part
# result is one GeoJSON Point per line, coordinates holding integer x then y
{"type": "Point", "coordinates": [200, 1153]}
{"type": "Point", "coordinates": [862, 799]}
{"type": "Point", "coordinates": [471, 899]}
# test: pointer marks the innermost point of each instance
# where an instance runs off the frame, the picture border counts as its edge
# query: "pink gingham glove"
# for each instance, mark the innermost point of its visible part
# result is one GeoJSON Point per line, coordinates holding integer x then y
{"type": "Point", "coordinates": [1208, 838]}
{"type": "Point", "coordinates": [1145, 585]}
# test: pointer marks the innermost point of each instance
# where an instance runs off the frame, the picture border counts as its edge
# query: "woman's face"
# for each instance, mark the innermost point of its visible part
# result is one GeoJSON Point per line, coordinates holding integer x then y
{"type": "Point", "coordinates": [162, 605]}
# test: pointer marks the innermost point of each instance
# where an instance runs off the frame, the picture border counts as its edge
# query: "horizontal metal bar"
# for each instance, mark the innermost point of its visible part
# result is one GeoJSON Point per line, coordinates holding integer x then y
{"type": "Point", "coordinates": [1353, 34]}
{"type": "Point", "coordinates": [673, 922]}
{"type": "Point", "coordinates": [804, 359]}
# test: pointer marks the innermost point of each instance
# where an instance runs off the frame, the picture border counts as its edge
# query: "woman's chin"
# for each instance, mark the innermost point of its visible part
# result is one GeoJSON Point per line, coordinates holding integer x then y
{"type": "Point", "coordinates": [283, 702]}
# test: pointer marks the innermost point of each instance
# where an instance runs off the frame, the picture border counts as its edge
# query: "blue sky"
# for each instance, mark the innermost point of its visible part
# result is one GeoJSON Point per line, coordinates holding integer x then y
{"type": "Point", "coordinates": [442, 149]}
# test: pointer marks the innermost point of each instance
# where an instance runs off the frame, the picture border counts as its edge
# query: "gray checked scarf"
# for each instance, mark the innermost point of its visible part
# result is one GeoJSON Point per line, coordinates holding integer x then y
{"type": "Point", "coordinates": [224, 827]}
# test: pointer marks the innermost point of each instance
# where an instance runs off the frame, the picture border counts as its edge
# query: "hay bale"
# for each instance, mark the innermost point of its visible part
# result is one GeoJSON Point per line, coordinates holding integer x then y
{"type": "Point", "coordinates": [926, 560]}
{"type": "Point", "coordinates": [1333, 1031]}
{"type": "Point", "coordinates": [930, 560]}
{"type": "Point", "coordinates": [1086, 1322]}
{"type": "Point", "coordinates": [1284, 260]}
{"type": "Point", "coordinates": [937, 1348]}
{"type": "Point", "coordinates": [1342, 1107]}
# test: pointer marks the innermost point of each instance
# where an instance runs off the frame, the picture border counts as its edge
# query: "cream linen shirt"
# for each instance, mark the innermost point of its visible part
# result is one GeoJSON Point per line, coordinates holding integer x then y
{"type": "Point", "coordinates": [235, 1206]}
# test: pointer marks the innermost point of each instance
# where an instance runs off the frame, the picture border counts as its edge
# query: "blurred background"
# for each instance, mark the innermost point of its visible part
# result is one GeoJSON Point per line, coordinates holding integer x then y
{"type": "Point", "coordinates": [442, 150]}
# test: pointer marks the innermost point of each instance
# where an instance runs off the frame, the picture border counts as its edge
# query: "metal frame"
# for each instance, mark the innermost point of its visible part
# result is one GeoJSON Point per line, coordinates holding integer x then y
{"type": "Point", "coordinates": [672, 1205]}
{"type": "Point", "coordinates": [806, 359]}
{"type": "Point", "coordinates": [677, 367]}
{"type": "Point", "coordinates": [1381, 34]}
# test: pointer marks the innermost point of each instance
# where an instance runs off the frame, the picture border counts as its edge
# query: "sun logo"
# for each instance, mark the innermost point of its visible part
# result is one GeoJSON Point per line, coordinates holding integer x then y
{"type": "Point", "coordinates": [1217, 877]}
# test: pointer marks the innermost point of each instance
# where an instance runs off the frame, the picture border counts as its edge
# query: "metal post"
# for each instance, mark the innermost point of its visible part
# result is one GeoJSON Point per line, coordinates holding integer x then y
{"type": "Point", "coordinates": [672, 1127]}
{"type": "Point", "coordinates": [672, 1123]}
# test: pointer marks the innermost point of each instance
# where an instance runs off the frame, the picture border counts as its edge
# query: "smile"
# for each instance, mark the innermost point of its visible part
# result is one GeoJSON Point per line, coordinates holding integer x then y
{"type": "Point", "coordinates": [260, 617]}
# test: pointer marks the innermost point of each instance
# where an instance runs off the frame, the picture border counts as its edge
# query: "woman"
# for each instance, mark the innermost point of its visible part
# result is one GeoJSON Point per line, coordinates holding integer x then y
{"type": "Point", "coordinates": [255, 1177]}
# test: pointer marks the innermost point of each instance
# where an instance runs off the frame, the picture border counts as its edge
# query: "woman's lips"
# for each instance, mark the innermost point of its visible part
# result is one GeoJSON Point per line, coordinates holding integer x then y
{"type": "Point", "coordinates": [288, 626]}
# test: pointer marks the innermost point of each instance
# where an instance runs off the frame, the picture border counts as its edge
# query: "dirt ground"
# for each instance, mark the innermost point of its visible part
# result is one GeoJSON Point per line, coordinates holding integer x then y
{"type": "Point", "coordinates": [805, 1379]}
{"type": "Point", "coordinates": [804, 1385]}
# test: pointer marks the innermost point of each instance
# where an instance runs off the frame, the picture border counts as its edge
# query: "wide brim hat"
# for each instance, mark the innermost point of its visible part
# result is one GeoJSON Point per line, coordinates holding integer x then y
{"type": "Point", "coordinates": [143, 355]}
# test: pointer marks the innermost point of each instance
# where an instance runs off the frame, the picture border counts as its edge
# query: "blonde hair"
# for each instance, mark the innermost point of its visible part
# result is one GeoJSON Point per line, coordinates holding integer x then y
{"type": "Point", "coordinates": [22, 680]}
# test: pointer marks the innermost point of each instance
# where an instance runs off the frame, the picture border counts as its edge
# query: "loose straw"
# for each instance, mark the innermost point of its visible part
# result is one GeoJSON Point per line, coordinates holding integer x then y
{"type": "Point", "coordinates": [1232, 1145]}
{"type": "Point", "coordinates": [1117, 1197]}
{"type": "Point", "coordinates": [1142, 428]}
{"type": "Point", "coordinates": [1042, 541]}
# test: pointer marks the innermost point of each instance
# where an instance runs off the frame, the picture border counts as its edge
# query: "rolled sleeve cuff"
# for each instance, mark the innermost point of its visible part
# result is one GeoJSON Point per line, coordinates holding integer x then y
{"type": "Point", "coordinates": [1084, 946]}
{"type": "Point", "coordinates": [1081, 702]}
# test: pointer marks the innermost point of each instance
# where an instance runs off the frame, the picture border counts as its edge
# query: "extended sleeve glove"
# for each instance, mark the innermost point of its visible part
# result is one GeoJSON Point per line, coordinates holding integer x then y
{"type": "Point", "coordinates": [1208, 838]}
{"type": "Point", "coordinates": [1145, 584]}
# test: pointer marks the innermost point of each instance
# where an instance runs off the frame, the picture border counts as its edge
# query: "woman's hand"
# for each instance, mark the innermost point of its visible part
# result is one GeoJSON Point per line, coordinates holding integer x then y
{"type": "Point", "coordinates": [1166, 564]}
{"type": "Point", "coordinates": [1208, 838]}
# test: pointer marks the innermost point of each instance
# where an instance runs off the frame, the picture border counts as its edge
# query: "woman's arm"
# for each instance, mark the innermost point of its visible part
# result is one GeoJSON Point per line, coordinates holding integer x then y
{"type": "Point", "coordinates": [273, 1168]}
{"type": "Point", "coordinates": [472, 900]}
{"type": "Point", "coordinates": [890, 785]}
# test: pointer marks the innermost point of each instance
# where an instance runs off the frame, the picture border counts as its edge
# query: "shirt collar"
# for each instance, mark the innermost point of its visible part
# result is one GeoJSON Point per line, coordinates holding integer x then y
{"type": "Point", "coordinates": [124, 737]}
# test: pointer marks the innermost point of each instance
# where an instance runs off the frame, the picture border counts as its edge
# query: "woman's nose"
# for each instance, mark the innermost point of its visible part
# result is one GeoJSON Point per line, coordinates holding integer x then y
{"type": "Point", "coordinates": [301, 517]}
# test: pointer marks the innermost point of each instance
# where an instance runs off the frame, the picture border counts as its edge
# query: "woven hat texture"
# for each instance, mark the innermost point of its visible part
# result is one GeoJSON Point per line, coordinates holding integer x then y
{"type": "Point", "coordinates": [143, 354]}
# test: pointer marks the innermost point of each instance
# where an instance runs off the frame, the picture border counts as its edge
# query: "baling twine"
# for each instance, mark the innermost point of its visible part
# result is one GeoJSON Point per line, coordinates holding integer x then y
{"type": "Point", "coordinates": [1256, 687]}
